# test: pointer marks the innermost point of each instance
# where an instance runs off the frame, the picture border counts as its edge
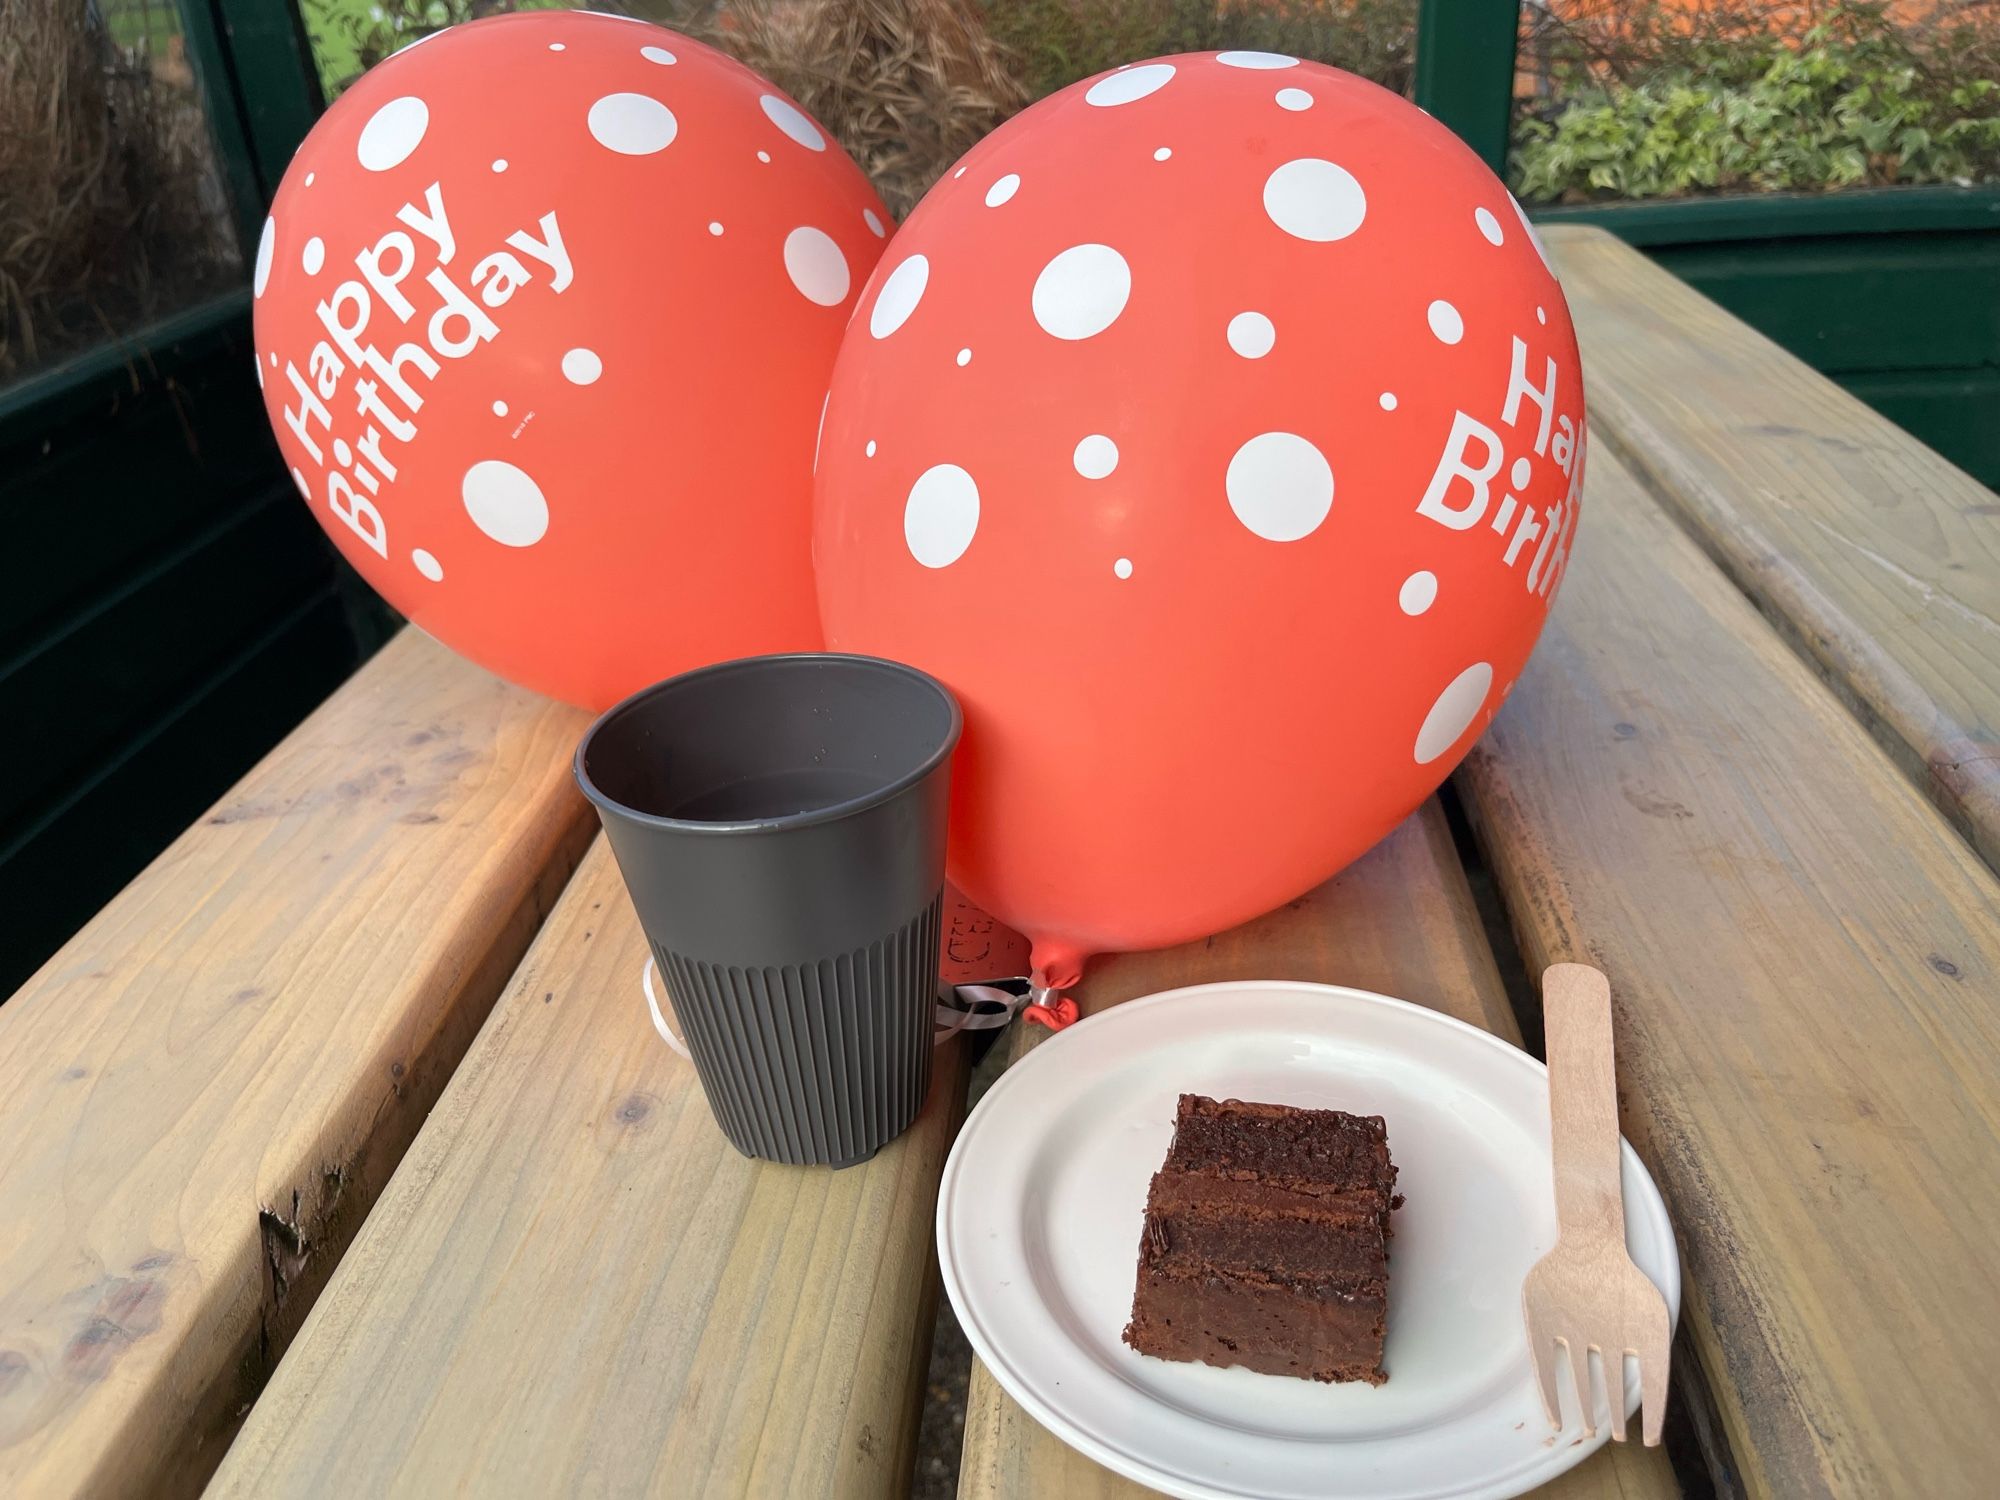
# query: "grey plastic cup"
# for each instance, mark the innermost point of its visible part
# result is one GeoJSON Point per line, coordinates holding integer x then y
{"type": "Point", "coordinates": [780, 824]}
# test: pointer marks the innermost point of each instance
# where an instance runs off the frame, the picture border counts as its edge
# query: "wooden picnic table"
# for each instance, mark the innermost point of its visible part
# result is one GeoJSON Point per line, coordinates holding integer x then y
{"type": "Point", "coordinates": [337, 1157]}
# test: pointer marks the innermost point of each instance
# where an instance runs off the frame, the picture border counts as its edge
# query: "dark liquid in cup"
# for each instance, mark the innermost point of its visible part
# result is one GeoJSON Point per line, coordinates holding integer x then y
{"type": "Point", "coordinates": [780, 794]}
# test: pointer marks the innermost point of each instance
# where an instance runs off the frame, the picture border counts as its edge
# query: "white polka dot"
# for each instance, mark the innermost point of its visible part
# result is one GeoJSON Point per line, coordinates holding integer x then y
{"type": "Point", "coordinates": [764, 156]}
{"type": "Point", "coordinates": [958, 174]}
{"type": "Point", "coordinates": [1387, 400]}
{"type": "Point", "coordinates": [632, 124]}
{"type": "Point", "coordinates": [658, 55]}
{"type": "Point", "coordinates": [392, 133]}
{"type": "Point", "coordinates": [816, 266]}
{"type": "Point", "coordinates": [819, 432]}
{"type": "Point", "coordinates": [870, 449]}
{"type": "Point", "coordinates": [1123, 567]}
{"type": "Point", "coordinates": [1280, 486]}
{"type": "Point", "coordinates": [1163, 153]}
{"type": "Point", "coordinates": [1004, 189]}
{"type": "Point", "coordinates": [1315, 200]}
{"type": "Point", "coordinates": [1256, 60]}
{"type": "Point", "coordinates": [505, 503]}
{"type": "Point", "coordinates": [1456, 707]}
{"type": "Point", "coordinates": [274, 359]}
{"type": "Point", "coordinates": [557, 47]}
{"type": "Point", "coordinates": [309, 178]}
{"type": "Point", "coordinates": [964, 358]}
{"type": "Point", "coordinates": [500, 165]}
{"type": "Point", "coordinates": [499, 408]}
{"type": "Point", "coordinates": [1251, 335]}
{"type": "Point", "coordinates": [873, 221]}
{"type": "Point", "coordinates": [342, 454]}
{"type": "Point", "coordinates": [1445, 321]}
{"type": "Point", "coordinates": [901, 290]}
{"type": "Point", "coordinates": [714, 226]}
{"type": "Point", "coordinates": [1083, 290]}
{"type": "Point", "coordinates": [941, 515]}
{"type": "Point", "coordinates": [1533, 238]}
{"type": "Point", "coordinates": [267, 245]}
{"type": "Point", "coordinates": [582, 366]}
{"type": "Point", "coordinates": [300, 480]}
{"type": "Point", "coordinates": [427, 565]}
{"type": "Point", "coordinates": [1541, 315]}
{"type": "Point", "coordinates": [258, 366]}
{"type": "Point", "coordinates": [787, 117]}
{"type": "Point", "coordinates": [1418, 593]}
{"type": "Point", "coordinates": [313, 257]}
{"type": "Point", "coordinates": [1096, 456]}
{"type": "Point", "coordinates": [1294, 99]}
{"type": "Point", "coordinates": [1488, 225]}
{"type": "Point", "coordinates": [1521, 473]}
{"type": "Point", "coordinates": [1129, 84]}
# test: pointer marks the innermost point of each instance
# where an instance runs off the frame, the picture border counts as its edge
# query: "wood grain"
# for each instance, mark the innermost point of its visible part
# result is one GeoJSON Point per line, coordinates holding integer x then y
{"type": "Point", "coordinates": [1400, 921]}
{"type": "Point", "coordinates": [574, 1284]}
{"type": "Point", "coordinates": [1877, 559]}
{"type": "Point", "coordinates": [203, 1091]}
{"type": "Point", "coordinates": [1805, 962]}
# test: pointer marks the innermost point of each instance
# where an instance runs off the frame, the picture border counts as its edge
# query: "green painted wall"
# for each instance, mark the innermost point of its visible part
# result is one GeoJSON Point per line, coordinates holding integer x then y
{"type": "Point", "coordinates": [168, 610]}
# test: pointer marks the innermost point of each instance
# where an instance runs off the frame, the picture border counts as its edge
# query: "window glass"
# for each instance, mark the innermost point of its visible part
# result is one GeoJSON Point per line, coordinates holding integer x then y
{"type": "Point", "coordinates": [114, 211]}
{"type": "Point", "coordinates": [1623, 99]}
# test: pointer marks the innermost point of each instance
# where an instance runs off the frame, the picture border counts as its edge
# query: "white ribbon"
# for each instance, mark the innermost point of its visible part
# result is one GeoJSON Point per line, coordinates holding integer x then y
{"type": "Point", "coordinates": [950, 1019]}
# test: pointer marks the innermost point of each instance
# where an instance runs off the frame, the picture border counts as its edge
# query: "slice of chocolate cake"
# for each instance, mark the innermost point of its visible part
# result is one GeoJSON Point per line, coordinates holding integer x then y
{"type": "Point", "coordinates": [1266, 1242]}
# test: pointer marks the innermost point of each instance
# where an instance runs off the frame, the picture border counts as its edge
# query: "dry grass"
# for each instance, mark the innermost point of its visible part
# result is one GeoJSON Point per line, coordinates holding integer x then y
{"type": "Point", "coordinates": [907, 86]}
{"type": "Point", "coordinates": [109, 211]}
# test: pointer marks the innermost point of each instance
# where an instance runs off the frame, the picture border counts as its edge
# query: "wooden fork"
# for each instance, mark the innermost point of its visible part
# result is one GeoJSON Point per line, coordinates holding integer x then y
{"type": "Point", "coordinates": [1586, 1294]}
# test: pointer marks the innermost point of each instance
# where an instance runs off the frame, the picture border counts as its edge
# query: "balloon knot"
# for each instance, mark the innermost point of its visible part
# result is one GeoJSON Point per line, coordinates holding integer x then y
{"type": "Point", "coordinates": [1055, 1014]}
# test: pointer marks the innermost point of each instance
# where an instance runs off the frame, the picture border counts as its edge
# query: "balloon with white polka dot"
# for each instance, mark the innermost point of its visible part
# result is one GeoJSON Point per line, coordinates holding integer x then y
{"type": "Point", "coordinates": [1096, 456]}
{"type": "Point", "coordinates": [818, 268]}
{"type": "Point", "coordinates": [941, 515]}
{"type": "Point", "coordinates": [1130, 85]}
{"type": "Point", "coordinates": [505, 503]}
{"type": "Point", "coordinates": [392, 133]}
{"type": "Point", "coordinates": [1314, 199]}
{"type": "Point", "coordinates": [1453, 712]}
{"type": "Point", "coordinates": [1280, 486]}
{"type": "Point", "coordinates": [632, 124]}
{"type": "Point", "coordinates": [546, 310]}
{"type": "Point", "coordinates": [1262, 473]}
{"type": "Point", "coordinates": [790, 119]}
{"type": "Point", "coordinates": [1081, 292]}
{"type": "Point", "coordinates": [899, 296]}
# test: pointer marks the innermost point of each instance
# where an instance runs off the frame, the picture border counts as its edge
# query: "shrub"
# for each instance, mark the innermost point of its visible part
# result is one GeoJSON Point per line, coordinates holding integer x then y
{"type": "Point", "coordinates": [1855, 102]}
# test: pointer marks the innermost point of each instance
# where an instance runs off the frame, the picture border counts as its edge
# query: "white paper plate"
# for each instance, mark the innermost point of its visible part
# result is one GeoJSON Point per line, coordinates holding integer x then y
{"type": "Point", "coordinates": [1042, 1201]}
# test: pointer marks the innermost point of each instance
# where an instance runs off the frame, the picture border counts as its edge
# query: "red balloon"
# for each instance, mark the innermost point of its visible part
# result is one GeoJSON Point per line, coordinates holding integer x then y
{"type": "Point", "coordinates": [1215, 430]}
{"type": "Point", "coordinates": [546, 308]}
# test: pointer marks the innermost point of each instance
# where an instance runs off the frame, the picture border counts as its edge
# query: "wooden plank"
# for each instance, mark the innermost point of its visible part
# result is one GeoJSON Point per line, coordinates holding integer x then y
{"type": "Point", "coordinates": [1805, 964]}
{"type": "Point", "coordinates": [203, 1091]}
{"type": "Point", "coordinates": [1877, 560]}
{"type": "Point", "coordinates": [575, 1284]}
{"type": "Point", "coordinates": [1400, 921]}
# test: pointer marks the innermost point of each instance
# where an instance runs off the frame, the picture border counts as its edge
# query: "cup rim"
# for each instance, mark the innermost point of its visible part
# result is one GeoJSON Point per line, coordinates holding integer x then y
{"type": "Point", "coordinates": [811, 817]}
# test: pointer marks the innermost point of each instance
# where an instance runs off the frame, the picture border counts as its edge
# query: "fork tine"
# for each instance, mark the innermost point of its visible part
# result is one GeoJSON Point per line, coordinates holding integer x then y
{"type": "Point", "coordinates": [1612, 1363]}
{"type": "Point", "coordinates": [1653, 1384]}
{"type": "Point", "coordinates": [1579, 1364]}
{"type": "Point", "coordinates": [1544, 1351]}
